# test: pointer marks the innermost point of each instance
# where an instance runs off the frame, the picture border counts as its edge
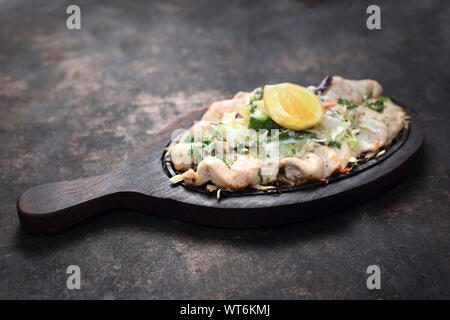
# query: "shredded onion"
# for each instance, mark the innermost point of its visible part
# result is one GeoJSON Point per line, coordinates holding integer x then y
{"type": "Point", "coordinates": [176, 179]}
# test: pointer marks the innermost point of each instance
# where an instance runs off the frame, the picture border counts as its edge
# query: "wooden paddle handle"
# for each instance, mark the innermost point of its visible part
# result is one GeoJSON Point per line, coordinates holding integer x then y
{"type": "Point", "coordinates": [57, 206]}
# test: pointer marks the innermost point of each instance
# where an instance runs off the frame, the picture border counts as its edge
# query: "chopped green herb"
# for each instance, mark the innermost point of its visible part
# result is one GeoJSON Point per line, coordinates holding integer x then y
{"type": "Point", "coordinates": [189, 139]}
{"type": "Point", "coordinates": [336, 144]}
{"type": "Point", "coordinates": [297, 135]}
{"type": "Point", "coordinates": [306, 134]}
{"type": "Point", "coordinates": [210, 148]}
{"type": "Point", "coordinates": [352, 142]}
{"type": "Point", "coordinates": [369, 96]}
{"type": "Point", "coordinates": [259, 94]}
{"type": "Point", "coordinates": [287, 149]}
{"type": "Point", "coordinates": [261, 120]}
{"type": "Point", "coordinates": [260, 175]}
{"type": "Point", "coordinates": [343, 101]}
{"type": "Point", "coordinates": [377, 106]}
{"type": "Point", "coordinates": [197, 152]}
{"type": "Point", "coordinates": [285, 135]}
{"type": "Point", "coordinates": [254, 99]}
{"type": "Point", "coordinates": [348, 104]}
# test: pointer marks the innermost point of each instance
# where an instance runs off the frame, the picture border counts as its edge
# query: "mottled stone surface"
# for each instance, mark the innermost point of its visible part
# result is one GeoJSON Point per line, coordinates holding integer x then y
{"type": "Point", "coordinates": [76, 103]}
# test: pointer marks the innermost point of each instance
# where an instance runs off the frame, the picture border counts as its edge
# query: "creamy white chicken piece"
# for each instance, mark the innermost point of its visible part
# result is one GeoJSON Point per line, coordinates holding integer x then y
{"type": "Point", "coordinates": [353, 90]}
{"type": "Point", "coordinates": [361, 122]}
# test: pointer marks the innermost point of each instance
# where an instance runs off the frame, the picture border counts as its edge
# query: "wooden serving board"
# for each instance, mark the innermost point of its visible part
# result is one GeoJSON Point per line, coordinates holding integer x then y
{"type": "Point", "coordinates": [142, 184]}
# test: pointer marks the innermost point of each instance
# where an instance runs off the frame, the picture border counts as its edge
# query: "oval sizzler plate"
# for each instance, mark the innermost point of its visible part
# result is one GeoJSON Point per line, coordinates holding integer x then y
{"type": "Point", "coordinates": [142, 184]}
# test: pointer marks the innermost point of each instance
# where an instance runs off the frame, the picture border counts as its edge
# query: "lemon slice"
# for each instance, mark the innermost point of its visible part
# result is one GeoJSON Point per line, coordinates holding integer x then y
{"type": "Point", "coordinates": [292, 106]}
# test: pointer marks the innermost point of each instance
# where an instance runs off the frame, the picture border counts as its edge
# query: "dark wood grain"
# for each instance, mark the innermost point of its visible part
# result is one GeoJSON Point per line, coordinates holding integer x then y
{"type": "Point", "coordinates": [141, 184]}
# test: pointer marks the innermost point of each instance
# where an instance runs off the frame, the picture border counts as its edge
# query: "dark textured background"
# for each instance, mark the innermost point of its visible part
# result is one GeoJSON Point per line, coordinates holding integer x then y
{"type": "Point", "coordinates": [75, 103]}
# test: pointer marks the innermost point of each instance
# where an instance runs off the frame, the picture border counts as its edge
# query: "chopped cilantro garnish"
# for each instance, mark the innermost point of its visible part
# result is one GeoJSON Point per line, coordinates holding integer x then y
{"type": "Point", "coordinates": [347, 103]}
{"type": "Point", "coordinates": [352, 142]}
{"type": "Point", "coordinates": [254, 99]}
{"type": "Point", "coordinates": [197, 152]}
{"type": "Point", "coordinates": [289, 134]}
{"type": "Point", "coordinates": [306, 134]}
{"type": "Point", "coordinates": [336, 144]}
{"type": "Point", "coordinates": [343, 101]}
{"type": "Point", "coordinates": [189, 139]}
{"type": "Point", "coordinates": [260, 175]}
{"type": "Point", "coordinates": [287, 149]}
{"type": "Point", "coordinates": [377, 106]}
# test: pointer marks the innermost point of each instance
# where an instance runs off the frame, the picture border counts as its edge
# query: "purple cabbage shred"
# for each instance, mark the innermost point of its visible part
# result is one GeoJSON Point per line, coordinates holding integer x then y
{"type": "Point", "coordinates": [238, 116]}
{"type": "Point", "coordinates": [324, 85]}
